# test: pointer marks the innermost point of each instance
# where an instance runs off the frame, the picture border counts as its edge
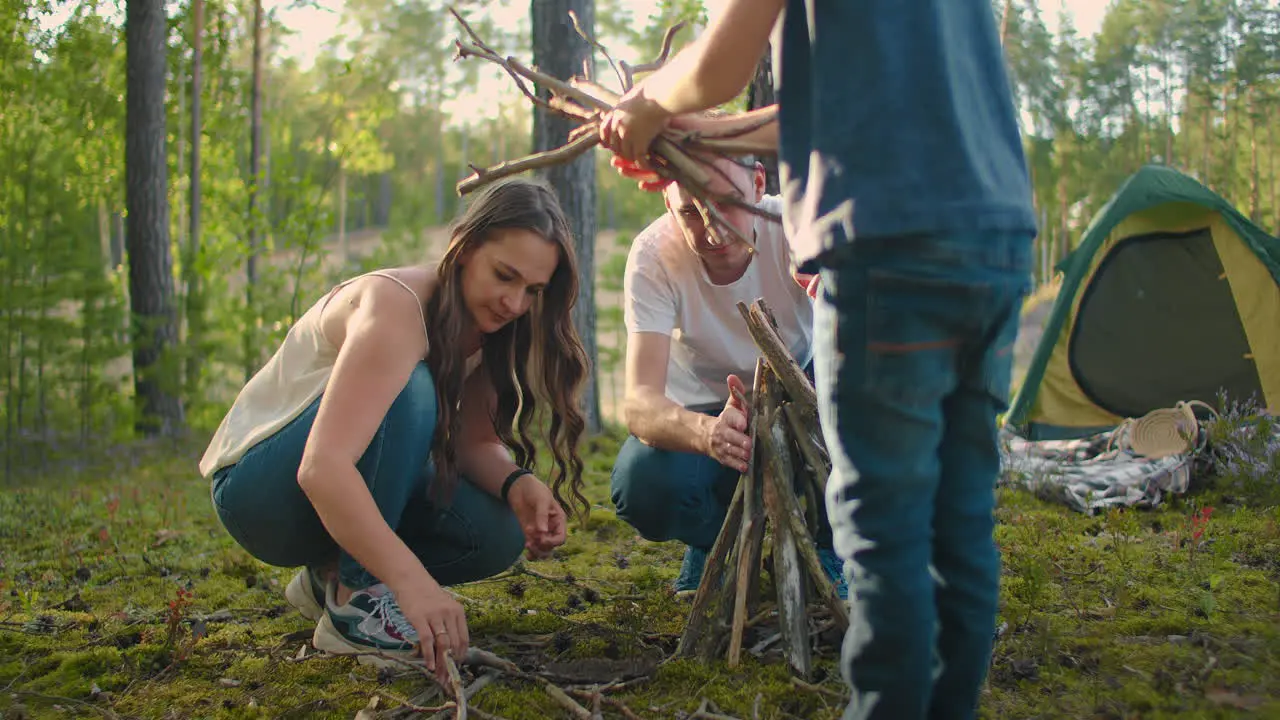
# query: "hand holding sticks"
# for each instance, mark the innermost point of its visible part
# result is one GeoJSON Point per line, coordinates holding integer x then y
{"type": "Point", "coordinates": [685, 158]}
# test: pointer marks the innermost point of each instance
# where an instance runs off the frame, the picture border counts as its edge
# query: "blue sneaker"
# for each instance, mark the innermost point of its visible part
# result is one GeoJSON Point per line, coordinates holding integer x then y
{"type": "Point", "coordinates": [690, 572]}
{"type": "Point", "coordinates": [835, 571]}
{"type": "Point", "coordinates": [370, 626]}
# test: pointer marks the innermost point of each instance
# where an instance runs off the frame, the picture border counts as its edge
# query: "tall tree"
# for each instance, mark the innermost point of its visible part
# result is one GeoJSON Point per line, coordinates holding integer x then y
{"type": "Point", "coordinates": [194, 305]}
{"type": "Point", "coordinates": [147, 238]}
{"type": "Point", "coordinates": [251, 355]}
{"type": "Point", "coordinates": [559, 51]}
{"type": "Point", "coordinates": [761, 94]}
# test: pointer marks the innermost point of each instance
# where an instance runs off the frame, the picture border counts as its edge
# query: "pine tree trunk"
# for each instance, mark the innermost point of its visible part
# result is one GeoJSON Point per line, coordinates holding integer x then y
{"type": "Point", "coordinates": [151, 288]}
{"type": "Point", "coordinates": [1275, 175]}
{"type": "Point", "coordinates": [1206, 123]}
{"type": "Point", "coordinates": [194, 292]}
{"type": "Point", "coordinates": [559, 51]}
{"type": "Point", "coordinates": [1255, 195]}
{"type": "Point", "coordinates": [759, 95]}
{"type": "Point", "coordinates": [255, 168]}
{"type": "Point", "coordinates": [1168, 110]}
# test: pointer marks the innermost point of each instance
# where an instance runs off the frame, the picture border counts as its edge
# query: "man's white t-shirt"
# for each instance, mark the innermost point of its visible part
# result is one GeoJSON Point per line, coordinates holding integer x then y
{"type": "Point", "coordinates": [667, 291]}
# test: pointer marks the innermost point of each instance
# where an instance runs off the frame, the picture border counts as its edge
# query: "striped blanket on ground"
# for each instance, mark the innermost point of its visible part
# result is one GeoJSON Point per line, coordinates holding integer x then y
{"type": "Point", "coordinates": [1087, 476]}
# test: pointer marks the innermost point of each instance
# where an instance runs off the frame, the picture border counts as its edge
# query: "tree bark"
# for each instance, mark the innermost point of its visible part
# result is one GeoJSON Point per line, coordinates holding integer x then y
{"type": "Point", "coordinates": [255, 169]}
{"type": "Point", "coordinates": [759, 95]}
{"type": "Point", "coordinates": [559, 51]}
{"type": "Point", "coordinates": [151, 288]}
{"type": "Point", "coordinates": [194, 297]}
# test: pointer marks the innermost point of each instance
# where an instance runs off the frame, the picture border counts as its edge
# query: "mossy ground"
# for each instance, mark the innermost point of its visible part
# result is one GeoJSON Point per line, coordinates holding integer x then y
{"type": "Point", "coordinates": [1121, 616]}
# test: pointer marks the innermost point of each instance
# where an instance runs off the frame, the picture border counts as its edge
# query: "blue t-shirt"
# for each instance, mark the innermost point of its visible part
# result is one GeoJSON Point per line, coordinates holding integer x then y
{"type": "Point", "coordinates": [896, 117]}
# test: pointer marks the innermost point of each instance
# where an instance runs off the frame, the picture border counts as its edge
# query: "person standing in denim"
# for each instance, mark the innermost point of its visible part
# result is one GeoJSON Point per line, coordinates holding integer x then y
{"type": "Point", "coordinates": [374, 448]}
{"type": "Point", "coordinates": [687, 346]}
{"type": "Point", "coordinates": [907, 189]}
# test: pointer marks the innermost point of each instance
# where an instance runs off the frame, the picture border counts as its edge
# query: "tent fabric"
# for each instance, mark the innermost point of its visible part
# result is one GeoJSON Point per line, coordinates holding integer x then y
{"type": "Point", "coordinates": [1170, 295]}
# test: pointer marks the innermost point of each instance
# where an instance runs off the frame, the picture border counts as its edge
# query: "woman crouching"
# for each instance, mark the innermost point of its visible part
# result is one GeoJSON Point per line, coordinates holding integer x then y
{"type": "Point", "coordinates": [375, 448]}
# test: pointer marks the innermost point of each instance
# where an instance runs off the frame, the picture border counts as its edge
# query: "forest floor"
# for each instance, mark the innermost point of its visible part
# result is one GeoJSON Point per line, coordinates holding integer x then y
{"type": "Point", "coordinates": [122, 596]}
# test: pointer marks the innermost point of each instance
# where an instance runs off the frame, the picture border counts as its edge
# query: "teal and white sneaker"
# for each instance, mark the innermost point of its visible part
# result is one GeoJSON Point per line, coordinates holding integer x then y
{"type": "Point", "coordinates": [305, 592]}
{"type": "Point", "coordinates": [370, 622]}
{"type": "Point", "coordinates": [695, 561]}
{"type": "Point", "coordinates": [834, 568]}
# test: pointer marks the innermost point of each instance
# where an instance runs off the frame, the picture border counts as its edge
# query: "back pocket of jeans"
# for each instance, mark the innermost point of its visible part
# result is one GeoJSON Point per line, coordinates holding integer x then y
{"type": "Point", "coordinates": [913, 336]}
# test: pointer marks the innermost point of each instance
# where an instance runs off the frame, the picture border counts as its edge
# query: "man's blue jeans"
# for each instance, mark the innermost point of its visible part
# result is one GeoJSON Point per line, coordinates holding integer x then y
{"type": "Point", "coordinates": [668, 495]}
{"type": "Point", "coordinates": [262, 507]}
{"type": "Point", "coordinates": [914, 353]}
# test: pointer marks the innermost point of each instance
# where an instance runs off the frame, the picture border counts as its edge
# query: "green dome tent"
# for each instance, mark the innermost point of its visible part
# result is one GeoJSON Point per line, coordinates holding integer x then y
{"type": "Point", "coordinates": [1171, 295]}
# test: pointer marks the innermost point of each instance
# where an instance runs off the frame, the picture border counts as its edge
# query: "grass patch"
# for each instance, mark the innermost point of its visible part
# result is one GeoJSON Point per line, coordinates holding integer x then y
{"type": "Point", "coordinates": [120, 593]}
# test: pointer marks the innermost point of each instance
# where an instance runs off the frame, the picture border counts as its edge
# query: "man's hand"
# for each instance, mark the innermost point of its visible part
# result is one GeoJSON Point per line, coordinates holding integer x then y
{"type": "Point", "coordinates": [727, 440]}
{"type": "Point", "coordinates": [541, 517]}
{"type": "Point", "coordinates": [633, 124]}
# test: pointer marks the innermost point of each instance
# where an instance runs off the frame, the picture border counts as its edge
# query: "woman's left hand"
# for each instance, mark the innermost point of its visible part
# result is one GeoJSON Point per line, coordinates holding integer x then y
{"type": "Point", "coordinates": [541, 517]}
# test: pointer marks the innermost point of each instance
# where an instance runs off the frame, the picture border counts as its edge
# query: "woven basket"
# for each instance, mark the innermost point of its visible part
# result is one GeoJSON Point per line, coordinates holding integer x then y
{"type": "Point", "coordinates": [1163, 432]}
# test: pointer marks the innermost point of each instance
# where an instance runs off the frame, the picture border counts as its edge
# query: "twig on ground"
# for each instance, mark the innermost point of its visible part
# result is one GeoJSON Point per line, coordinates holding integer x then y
{"type": "Point", "coordinates": [565, 701]}
{"type": "Point", "coordinates": [613, 703]}
{"type": "Point", "coordinates": [412, 707]}
{"type": "Point", "coordinates": [475, 687]}
{"type": "Point", "coordinates": [708, 711]}
{"type": "Point", "coordinates": [105, 712]}
{"type": "Point", "coordinates": [455, 687]}
{"type": "Point", "coordinates": [817, 689]}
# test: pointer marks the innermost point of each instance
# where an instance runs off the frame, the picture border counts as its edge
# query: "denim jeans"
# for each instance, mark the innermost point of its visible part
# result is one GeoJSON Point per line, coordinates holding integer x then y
{"type": "Point", "coordinates": [262, 507]}
{"type": "Point", "coordinates": [669, 495]}
{"type": "Point", "coordinates": [914, 353]}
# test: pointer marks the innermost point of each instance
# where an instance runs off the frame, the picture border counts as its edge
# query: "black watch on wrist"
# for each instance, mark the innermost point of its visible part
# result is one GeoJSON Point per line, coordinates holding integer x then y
{"type": "Point", "coordinates": [511, 480]}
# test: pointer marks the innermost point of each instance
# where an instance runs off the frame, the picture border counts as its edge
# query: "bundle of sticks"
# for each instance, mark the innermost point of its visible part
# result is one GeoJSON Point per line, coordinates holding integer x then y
{"type": "Point", "coordinates": [786, 448]}
{"type": "Point", "coordinates": [684, 157]}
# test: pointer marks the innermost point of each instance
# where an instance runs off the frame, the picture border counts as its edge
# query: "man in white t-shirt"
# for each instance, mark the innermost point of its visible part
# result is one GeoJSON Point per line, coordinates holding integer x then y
{"type": "Point", "coordinates": [687, 344]}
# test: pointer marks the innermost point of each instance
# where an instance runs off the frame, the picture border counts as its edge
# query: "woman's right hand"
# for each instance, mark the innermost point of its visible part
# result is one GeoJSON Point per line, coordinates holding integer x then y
{"type": "Point", "coordinates": [441, 624]}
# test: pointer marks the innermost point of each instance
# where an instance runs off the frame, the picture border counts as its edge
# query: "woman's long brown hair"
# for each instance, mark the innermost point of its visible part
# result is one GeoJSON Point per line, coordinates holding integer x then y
{"type": "Point", "coordinates": [542, 343]}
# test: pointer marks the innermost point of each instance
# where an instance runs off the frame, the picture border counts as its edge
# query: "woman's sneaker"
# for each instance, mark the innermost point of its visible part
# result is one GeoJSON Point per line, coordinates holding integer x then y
{"type": "Point", "coordinates": [305, 592]}
{"type": "Point", "coordinates": [370, 625]}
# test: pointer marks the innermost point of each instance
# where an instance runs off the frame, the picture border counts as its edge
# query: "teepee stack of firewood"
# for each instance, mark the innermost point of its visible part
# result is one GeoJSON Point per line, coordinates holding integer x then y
{"type": "Point", "coordinates": [787, 451]}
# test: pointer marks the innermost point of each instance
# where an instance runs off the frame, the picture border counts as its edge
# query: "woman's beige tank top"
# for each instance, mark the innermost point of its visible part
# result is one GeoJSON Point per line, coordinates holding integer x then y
{"type": "Point", "coordinates": [286, 385]}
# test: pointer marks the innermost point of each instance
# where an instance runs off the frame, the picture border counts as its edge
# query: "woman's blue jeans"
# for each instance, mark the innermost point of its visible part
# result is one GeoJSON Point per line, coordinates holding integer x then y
{"type": "Point", "coordinates": [261, 505]}
{"type": "Point", "coordinates": [914, 352]}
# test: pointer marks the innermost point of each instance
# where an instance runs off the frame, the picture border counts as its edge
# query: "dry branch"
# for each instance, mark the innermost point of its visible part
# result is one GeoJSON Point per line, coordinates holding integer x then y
{"type": "Point", "coordinates": [751, 533]}
{"type": "Point", "coordinates": [788, 545]}
{"type": "Point", "coordinates": [481, 176]}
{"type": "Point", "coordinates": [629, 71]}
{"type": "Point", "coordinates": [566, 702]}
{"type": "Point", "coordinates": [678, 156]}
{"type": "Point", "coordinates": [789, 514]}
{"type": "Point", "coordinates": [711, 573]}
